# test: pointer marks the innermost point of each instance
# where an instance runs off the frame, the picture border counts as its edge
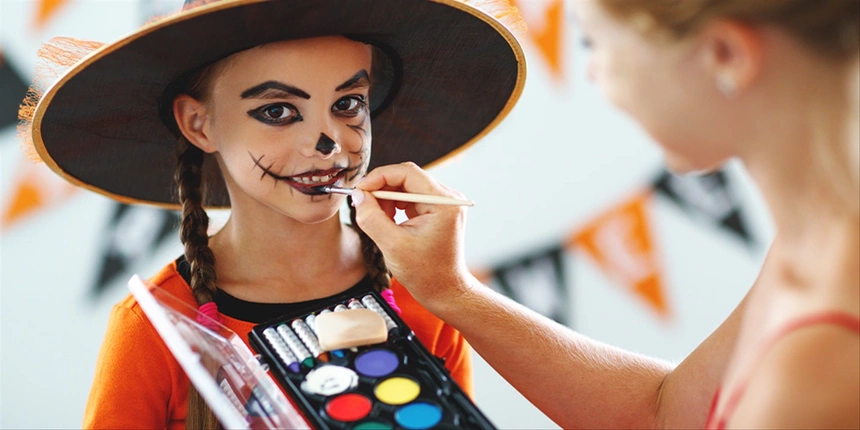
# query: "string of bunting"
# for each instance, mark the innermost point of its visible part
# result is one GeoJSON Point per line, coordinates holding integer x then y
{"type": "Point", "coordinates": [621, 242]}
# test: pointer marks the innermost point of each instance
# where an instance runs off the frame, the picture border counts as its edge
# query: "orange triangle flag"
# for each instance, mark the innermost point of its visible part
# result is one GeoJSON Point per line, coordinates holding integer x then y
{"type": "Point", "coordinates": [35, 190]}
{"type": "Point", "coordinates": [46, 10]}
{"type": "Point", "coordinates": [621, 243]}
{"type": "Point", "coordinates": [548, 38]}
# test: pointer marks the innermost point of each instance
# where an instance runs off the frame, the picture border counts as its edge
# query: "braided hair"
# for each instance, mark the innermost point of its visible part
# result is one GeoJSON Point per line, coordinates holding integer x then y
{"type": "Point", "coordinates": [193, 234]}
{"type": "Point", "coordinates": [195, 223]}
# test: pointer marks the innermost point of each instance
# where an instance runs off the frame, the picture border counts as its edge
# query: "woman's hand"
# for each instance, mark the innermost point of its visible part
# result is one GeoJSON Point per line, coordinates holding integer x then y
{"type": "Point", "coordinates": [424, 253]}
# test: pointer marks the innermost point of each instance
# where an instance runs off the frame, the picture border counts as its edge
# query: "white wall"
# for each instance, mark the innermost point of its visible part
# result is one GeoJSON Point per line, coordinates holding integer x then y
{"type": "Point", "coordinates": [562, 157]}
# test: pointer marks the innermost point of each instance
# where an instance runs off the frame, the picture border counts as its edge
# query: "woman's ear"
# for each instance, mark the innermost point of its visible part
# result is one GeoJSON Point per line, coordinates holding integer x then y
{"type": "Point", "coordinates": [193, 120]}
{"type": "Point", "coordinates": [732, 53]}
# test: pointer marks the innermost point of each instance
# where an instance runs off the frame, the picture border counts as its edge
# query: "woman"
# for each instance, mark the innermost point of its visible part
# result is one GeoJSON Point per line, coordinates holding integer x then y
{"type": "Point", "coordinates": [264, 102]}
{"type": "Point", "coordinates": [773, 83]}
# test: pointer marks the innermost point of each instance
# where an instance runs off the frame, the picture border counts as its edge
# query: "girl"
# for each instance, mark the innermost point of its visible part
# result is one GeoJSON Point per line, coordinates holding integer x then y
{"type": "Point", "coordinates": [264, 102]}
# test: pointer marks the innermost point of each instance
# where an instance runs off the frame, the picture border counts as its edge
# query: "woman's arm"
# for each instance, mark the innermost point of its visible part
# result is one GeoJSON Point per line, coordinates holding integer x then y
{"type": "Point", "coordinates": [576, 381]}
{"type": "Point", "coordinates": [688, 391]}
{"type": "Point", "coordinates": [579, 382]}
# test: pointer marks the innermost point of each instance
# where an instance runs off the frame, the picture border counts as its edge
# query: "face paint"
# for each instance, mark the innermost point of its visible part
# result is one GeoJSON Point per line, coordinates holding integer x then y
{"type": "Point", "coordinates": [310, 181]}
{"type": "Point", "coordinates": [325, 145]}
{"type": "Point", "coordinates": [363, 162]}
{"type": "Point", "coordinates": [303, 127]}
{"type": "Point", "coordinates": [363, 153]}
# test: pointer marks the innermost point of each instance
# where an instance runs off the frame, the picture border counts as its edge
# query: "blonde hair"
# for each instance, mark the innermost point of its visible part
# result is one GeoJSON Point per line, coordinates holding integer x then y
{"type": "Point", "coordinates": [830, 29]}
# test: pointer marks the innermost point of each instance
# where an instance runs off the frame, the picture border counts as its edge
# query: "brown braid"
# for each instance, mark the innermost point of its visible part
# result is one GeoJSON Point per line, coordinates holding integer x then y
{"type": "Point", "coordinates": [195, 222]}
{"type": "Point", "coordinates": [193, 234]}
{"type": "Point", "coordinates": [374, 263]}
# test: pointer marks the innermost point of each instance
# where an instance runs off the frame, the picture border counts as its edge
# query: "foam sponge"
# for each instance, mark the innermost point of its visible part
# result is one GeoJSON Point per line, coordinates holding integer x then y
{"type": "Point", "coordinates": [349, 328]}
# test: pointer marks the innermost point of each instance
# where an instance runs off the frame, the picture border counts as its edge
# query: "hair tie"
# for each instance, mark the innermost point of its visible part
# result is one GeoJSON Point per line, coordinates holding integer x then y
{"type": "Point", "coordinates": [210, 311]}
{"type": "Point", "coordinates": [388, 295]}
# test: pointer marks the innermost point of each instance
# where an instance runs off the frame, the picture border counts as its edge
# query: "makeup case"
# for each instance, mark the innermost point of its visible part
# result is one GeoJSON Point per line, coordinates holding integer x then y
{"type": "Point", "coordinates": [396, 384]}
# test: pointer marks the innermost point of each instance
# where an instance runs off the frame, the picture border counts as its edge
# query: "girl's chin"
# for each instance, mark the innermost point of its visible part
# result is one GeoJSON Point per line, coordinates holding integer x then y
{"type": "Point", "coordinates": [313, 215]}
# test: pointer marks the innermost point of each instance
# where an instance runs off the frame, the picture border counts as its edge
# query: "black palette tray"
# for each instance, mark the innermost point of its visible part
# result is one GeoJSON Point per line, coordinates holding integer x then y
{"type": "Point", "coordinates": [397, 384]}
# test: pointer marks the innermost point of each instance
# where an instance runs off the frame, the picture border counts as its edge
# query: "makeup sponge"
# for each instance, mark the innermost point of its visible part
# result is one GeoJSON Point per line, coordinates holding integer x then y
{"type": "Point", "coordinates": [349, 328]}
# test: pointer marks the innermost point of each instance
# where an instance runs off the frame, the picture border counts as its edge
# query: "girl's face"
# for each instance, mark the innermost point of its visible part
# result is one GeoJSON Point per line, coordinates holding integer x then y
{"type": "Point", "coordinates": [286, 117]}
{"type": "Point", "coordinates": [661, 84]}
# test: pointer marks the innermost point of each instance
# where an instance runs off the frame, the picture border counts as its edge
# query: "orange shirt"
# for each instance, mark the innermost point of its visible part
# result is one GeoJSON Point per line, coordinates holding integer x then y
{"type": "Point", "coordinates": [139, 384]}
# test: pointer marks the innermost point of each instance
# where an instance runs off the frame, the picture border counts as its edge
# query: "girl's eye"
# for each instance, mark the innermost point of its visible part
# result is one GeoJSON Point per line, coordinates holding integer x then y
{"type": "Point", "coordinates": [349, 106]}
{"type": "Point", "coordinates": [279, 113]}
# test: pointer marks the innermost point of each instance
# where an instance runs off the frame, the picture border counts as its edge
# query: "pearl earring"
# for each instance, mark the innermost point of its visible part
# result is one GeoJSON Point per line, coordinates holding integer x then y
{"type": "Point", "coordinates": [727, 85]}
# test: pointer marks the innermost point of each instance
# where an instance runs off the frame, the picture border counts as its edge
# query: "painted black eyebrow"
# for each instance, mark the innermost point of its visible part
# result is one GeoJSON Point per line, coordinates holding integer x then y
{"type": "Point", "coordinates": [274, 85]}
{"type": "Point", "coordinates": [358, 80]}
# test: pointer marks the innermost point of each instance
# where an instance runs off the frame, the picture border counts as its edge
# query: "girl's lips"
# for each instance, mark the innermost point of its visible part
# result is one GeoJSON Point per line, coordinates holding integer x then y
{"type": "Point", "coordinates": [316, 178]}
{"type": "Point", "coordinates": [308, 184]}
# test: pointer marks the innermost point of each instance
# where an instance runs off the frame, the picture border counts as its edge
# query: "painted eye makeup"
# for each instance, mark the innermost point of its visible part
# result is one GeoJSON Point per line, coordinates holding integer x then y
{"type": "Point", "coordinates": [276, 113]}
{"type": "Point", "coordinates": [350, 106]}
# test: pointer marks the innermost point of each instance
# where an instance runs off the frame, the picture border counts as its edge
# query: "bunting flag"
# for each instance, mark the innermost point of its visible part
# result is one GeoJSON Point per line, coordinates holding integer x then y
{"type": "Point", "coordinates": [707, 196]}
{"type": "Point", "coordinates": [132, 234]}
{"type": "Point", "coordinates": [537, 281]}
{"type": "Point", "coordinates": [36, 188]}
{"type": "Point", "coordinates": [45, 10]}
{"type": "Point", "coordinates": [620, 242]}
{"type": "Point", "coordinates": [545, 20]}
{"type": "Point", "coordinates": [12, 90]}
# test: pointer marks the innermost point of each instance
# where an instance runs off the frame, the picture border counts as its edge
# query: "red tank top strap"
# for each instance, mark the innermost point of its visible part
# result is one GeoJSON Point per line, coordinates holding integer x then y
{"type": "Point", "coordinates": [846, 320]}
{"type": "Point", "coordinates": [711, 423]}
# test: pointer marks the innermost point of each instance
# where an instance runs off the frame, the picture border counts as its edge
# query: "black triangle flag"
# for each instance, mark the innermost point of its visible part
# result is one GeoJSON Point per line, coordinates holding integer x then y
{"type": "Point", "coordinates": [537, 281]}
{"type": "Point", "coordinates": [12, 91]}
{"type": "Point", "coordinates": [706, 195]}
{"type": "Point", "coordinates": [131, 235]}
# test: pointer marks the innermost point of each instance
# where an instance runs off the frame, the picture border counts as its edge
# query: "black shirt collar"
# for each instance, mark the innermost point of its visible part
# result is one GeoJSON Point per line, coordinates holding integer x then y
{"type": "Point", "coordinates": [254, 312]}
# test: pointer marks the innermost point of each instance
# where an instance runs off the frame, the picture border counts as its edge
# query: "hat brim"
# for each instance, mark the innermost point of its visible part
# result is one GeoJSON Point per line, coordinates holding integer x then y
{"type": "Point", "coordinates": [99, 126]}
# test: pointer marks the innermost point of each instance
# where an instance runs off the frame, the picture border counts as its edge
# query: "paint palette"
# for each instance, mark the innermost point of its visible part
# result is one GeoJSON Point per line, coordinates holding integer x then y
{"type": "Point", "coordinates": [397, 384]}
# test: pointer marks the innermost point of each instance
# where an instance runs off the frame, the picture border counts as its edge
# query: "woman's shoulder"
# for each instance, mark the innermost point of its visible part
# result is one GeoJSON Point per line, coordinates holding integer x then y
{"type": "Point", "coordinates": [807, 375]}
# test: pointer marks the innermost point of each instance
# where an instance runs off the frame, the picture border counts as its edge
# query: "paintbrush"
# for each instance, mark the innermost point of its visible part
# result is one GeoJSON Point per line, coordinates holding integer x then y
{"type": "Point", "coordinates": [401, 197]}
